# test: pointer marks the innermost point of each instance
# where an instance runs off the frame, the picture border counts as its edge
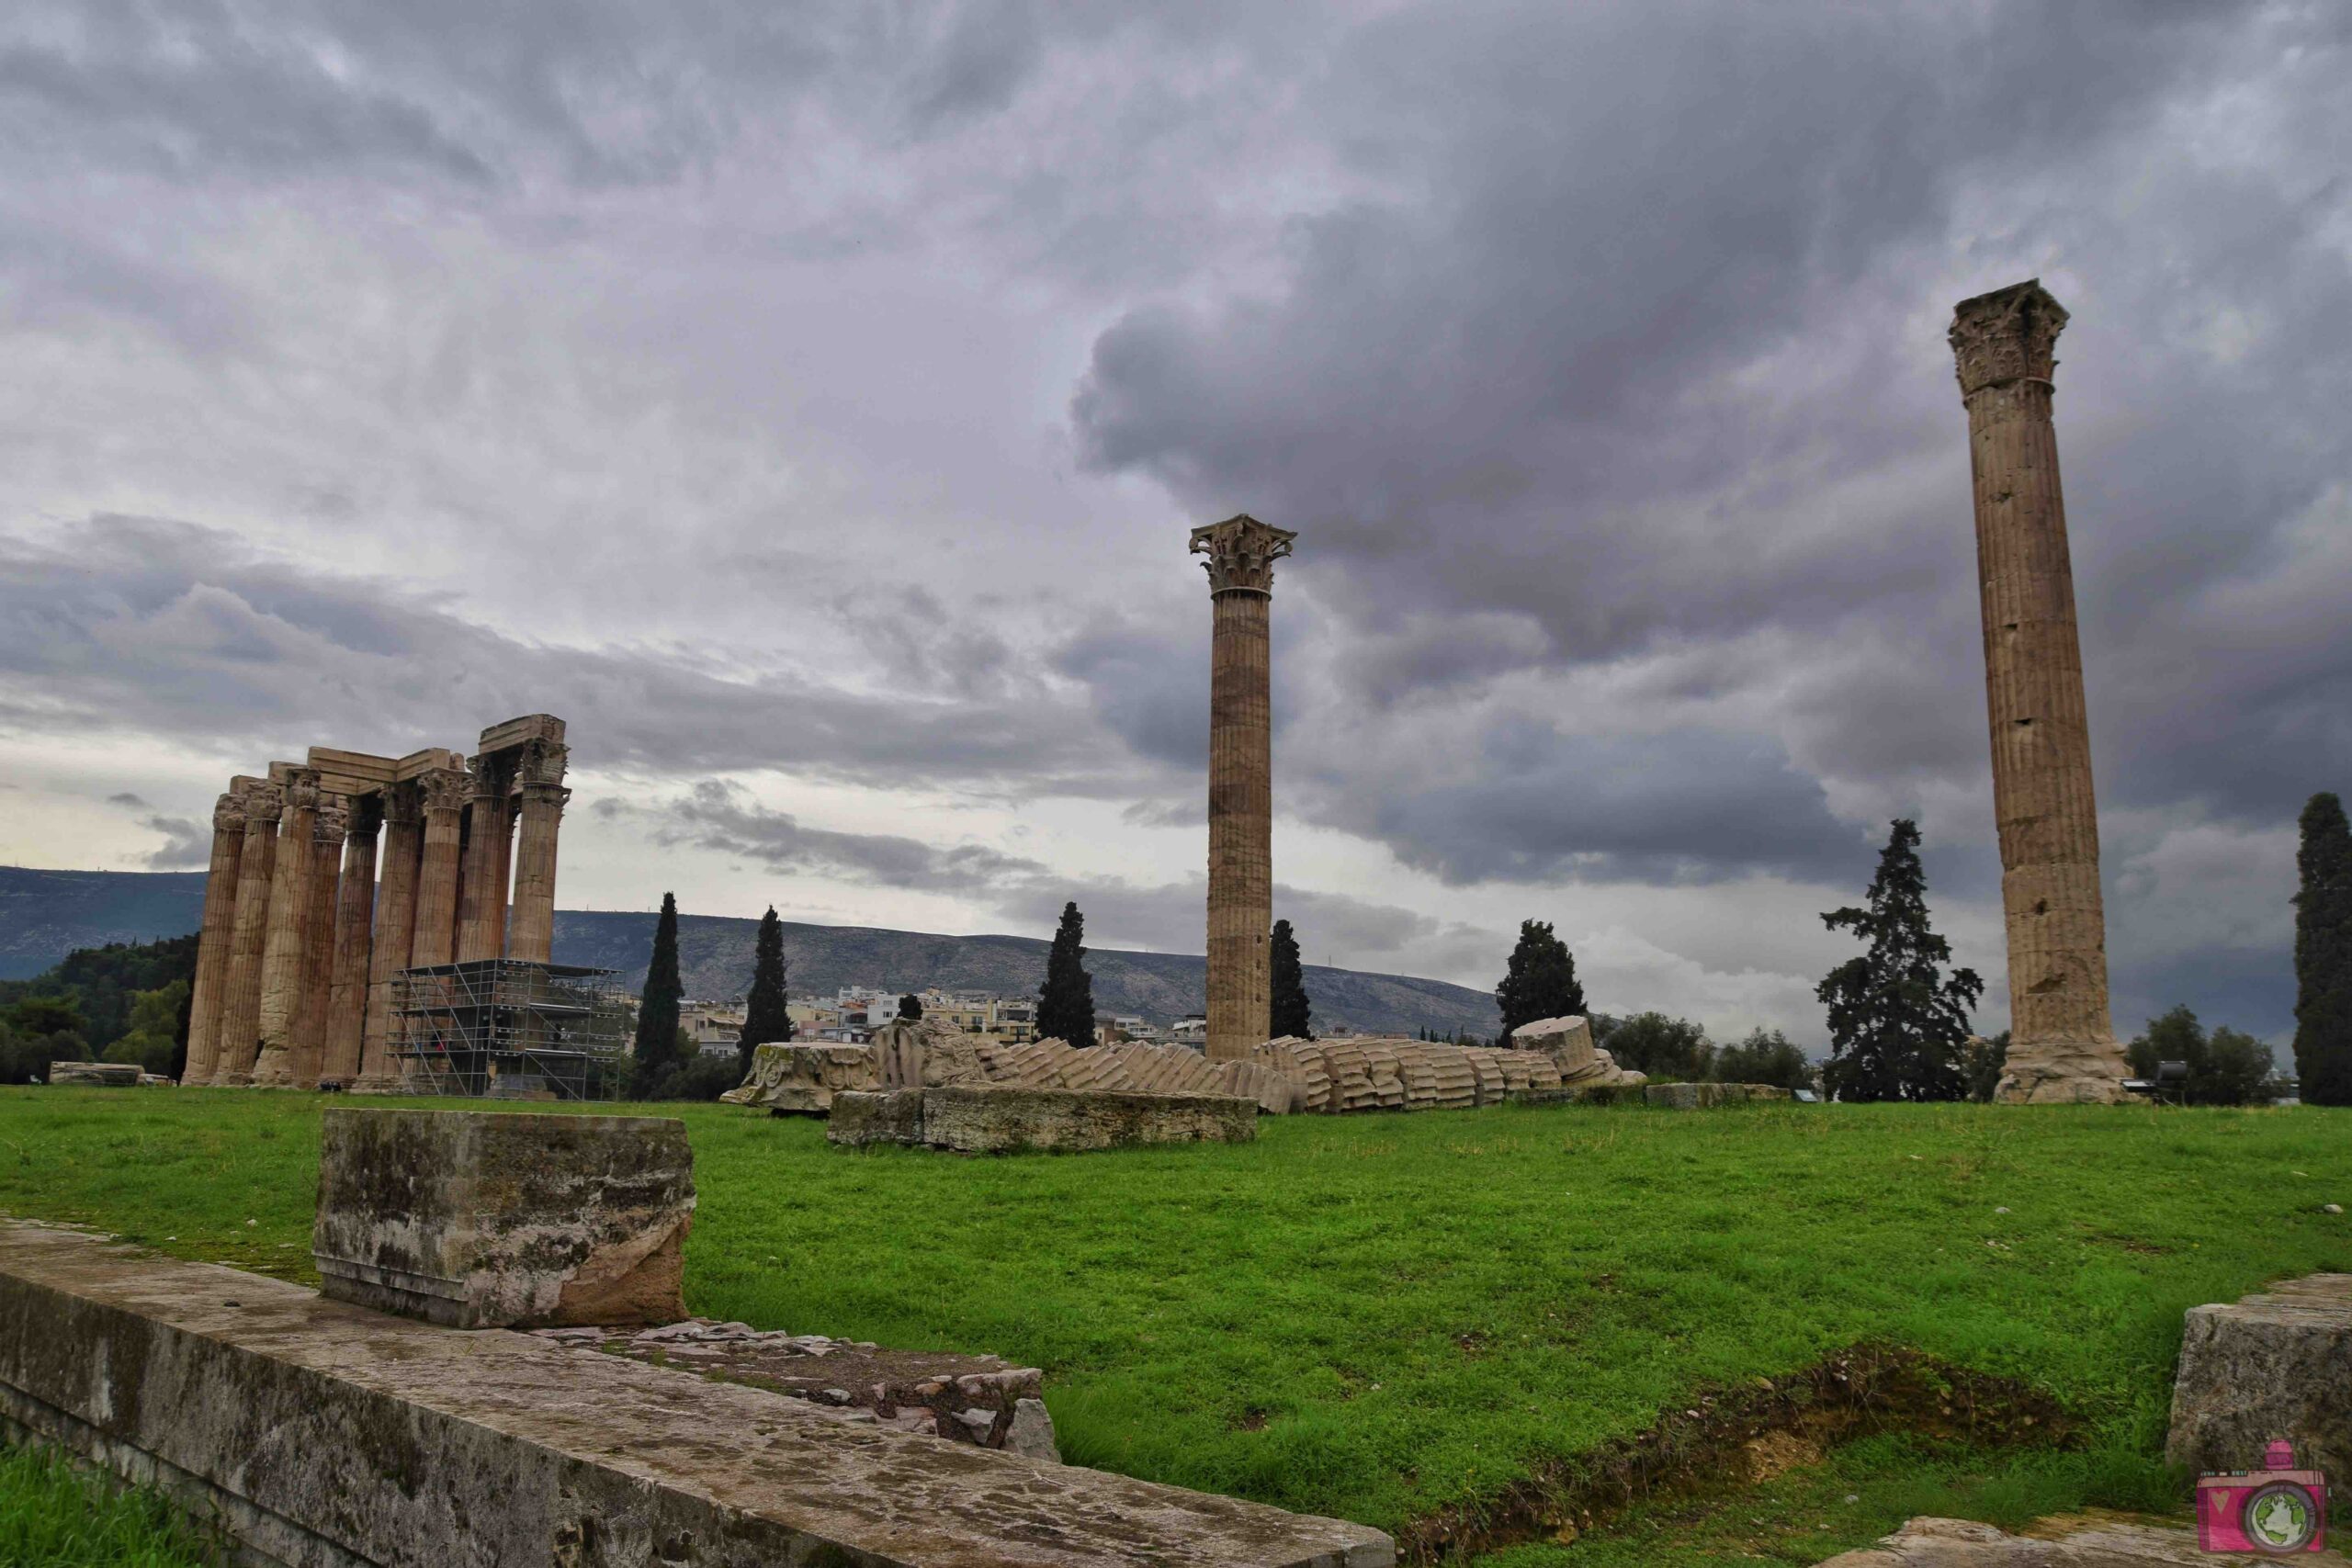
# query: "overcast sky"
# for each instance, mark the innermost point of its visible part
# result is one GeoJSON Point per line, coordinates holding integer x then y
{"type": "Point", "coordinates": [809, 402]}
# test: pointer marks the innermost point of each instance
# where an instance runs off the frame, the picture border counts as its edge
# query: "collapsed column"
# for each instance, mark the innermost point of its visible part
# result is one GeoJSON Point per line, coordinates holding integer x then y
{"type": "Point", "coordinates": [1242, 552]}
{"type": "Point", "coordinates": [2062, 1044]}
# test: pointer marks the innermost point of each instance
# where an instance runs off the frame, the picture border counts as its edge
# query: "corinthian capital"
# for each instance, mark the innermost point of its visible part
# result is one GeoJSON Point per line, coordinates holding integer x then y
{"type": "Point", "coordinates": [302, 789]}
{"type": "Point", "coordinates": [1242, 552]}
{"type": "Point", "coordinates": [333, 819]}
{"type": "Point", "coordinates": [542, 762]}
{"type": "Point", "coordinates": [264, 805]}
{"type": "Point", "coordinates": [229, 814]}
{"type": "Point", "coordinates": [442, 789]}
{"type": "Point", "coordinates": [2010, 334]}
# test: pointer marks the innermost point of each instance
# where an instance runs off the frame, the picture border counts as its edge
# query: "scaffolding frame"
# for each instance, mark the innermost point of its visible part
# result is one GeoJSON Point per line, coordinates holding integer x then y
{"type": "Point", "coordinates": [510, 1029]}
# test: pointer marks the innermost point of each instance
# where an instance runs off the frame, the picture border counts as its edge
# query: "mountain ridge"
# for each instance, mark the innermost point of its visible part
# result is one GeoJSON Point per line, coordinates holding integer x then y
{"type": "Point", "coordinates": [46, 914]}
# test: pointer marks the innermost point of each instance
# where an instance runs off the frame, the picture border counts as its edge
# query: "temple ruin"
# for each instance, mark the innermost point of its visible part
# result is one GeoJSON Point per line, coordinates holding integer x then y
{"type": "Point", "coordinates": [1242, 552]}
{"type": "Point", "coordinates": [2061, 1044]}
{"type": "Point", "coordinates": [301, 942]}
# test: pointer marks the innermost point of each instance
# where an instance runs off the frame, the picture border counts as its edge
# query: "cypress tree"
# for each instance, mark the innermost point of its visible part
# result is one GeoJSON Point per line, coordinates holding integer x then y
{"type": "Point", "coordinates": [1291, 1012]}
{"type": "Point", "coordinates": [910, 1008]}
{"type": "Point", "coordinates": [657, 1008]}
{"type": "Point", "coordinates": [1898, 1026]}
{"type": "Point", "coordinates": [1066, 1001]}
{"type": "Point", "coordinates": [1541, 981]}
{"type": "Point", "coordinates": [766, 1017]}
{"type": "Point", "coordinates": [2323, 954]}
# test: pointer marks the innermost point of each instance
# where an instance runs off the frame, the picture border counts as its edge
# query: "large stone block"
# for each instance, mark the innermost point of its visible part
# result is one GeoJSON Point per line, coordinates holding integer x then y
{"type": "Point", "coordinates": [2274, 1365]}
{"type": "Point", "coordinates": [93, 1075]}
{"type": "Point", "coordinates": [1673, 1096]}
{"type": "Point", "coordinates": [991, 1118]}
{"type": "Point", "coordinates": [2079, 1540]}
{"type": "Point", "coordinates": [859, 1118]}
{"type": "Point", "coordinates": [1568, 1041]}
{"type": "Point", "coordinates": [484, 1220]}
{"type": "Point", "coordinates": [797, 1080]}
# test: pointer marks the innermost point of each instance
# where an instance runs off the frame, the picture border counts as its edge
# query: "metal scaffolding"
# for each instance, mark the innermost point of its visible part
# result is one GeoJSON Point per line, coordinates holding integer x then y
{"type": "Point", "coordinates": [510, 1029]}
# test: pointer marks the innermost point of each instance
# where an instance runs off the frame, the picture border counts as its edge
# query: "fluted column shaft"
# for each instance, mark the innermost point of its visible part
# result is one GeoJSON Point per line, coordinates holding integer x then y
{"type": "Point", "coordinates": [395, 930]}
{"type": "Point", "coordinates": [213, 940]}
{"type": "Point", "coordinates": [239, 1033]}
{"type": "Point", "coordinates": [2062, 1042]}
{"type": "Point", "coordinates": [532, 935]}
{"type": "Point", "coordinates": [1241, 554]}
{"type": "Point", "coordinates": [354, 939]}
{"type": "Point", "coordinates": [482, 893]}
{"type": "Point", "coordinates": [282, 963]}
{"type": "Point", "coordinates": [436, 888]}
{"type": "Point", "coordinates": [307, 1047]}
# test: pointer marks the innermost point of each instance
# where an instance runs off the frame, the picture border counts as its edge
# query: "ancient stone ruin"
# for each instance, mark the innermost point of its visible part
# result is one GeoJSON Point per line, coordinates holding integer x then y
{"type": "Point", "coordinates": [2061, 1046]}
{"type": "Point", "coordinates": [299, 945]}
{"type": "Point", "coordinates": [1242, 552]}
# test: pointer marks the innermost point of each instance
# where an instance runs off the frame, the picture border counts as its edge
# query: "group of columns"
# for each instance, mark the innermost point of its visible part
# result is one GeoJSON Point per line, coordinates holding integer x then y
{"type": "Point", "coordinates": [300, 940]}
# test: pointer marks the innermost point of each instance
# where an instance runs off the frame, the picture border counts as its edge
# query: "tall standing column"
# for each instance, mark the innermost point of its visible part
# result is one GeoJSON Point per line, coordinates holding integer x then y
{"type": "Point", "coordinates": [2061, 1044]}
{"type": "Point", "coordinates": [532, 935]}
{"type": "Point", "coordinates": [482, 896]}
{"type": "Point", "coordinates": [240, 1031]}
{"type": "Point", "coordinates": [1242, 552]}
{"type": "Point", "coordinates": [281, 961]}
{"type": "Point", "coordinates": [395, 929]}
{"type": "Point", "coordinates": [353, 940]}
{"type": "Point", "coordinates": [319, 906]}
{"type": "Point", "coordinates": [213, 938]}
{"type": "Point", "coordinates": [442, 792]}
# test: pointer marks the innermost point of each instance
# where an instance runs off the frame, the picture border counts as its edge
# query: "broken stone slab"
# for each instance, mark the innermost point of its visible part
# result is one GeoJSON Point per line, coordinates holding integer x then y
{"type": "Point", "coordinates": [317, 1432]}
{"type": "Point", "coordinates": [1568, 1041]}
{"type": "Point", "coordinates": [795, 1079]}
{"type": "Point", "coordinates": [891, 1116]}
{"type": "Point", "coordinates": [992, 1118]}
{"type": "Point", "coordinates": [1673, 1096]}
{"type": "Point", "coordinates": [93, 1075]}
{"type": "Point", "coordinates": [2275, 1365]}
{"type": "Point", "coordinates": [499, 1219]}
{"type": "Point", "coordinates": [2083, 1541]}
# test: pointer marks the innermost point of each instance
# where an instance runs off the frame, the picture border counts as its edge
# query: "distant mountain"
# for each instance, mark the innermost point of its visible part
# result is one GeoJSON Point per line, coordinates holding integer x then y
{"type": "Point", "coordinates": [46, 914]}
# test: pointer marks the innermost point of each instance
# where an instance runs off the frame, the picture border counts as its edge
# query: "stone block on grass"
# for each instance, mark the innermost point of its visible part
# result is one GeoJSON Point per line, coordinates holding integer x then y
{"type": "Point", "coordinates": [93, 1075]}
{"type": "Point", "coordinates": [795, 1079]}
{"type": "Point", "coordinates": [2274, 1365]}
{"type": "Point", "coordinates": [890, 1116]}
{"type": "Point", "coordinates": [1673, 1096]}
{"type": "Point", "coordinates": [991, 1119]}
{"type": "Point", "coordinates": [480, 1219]}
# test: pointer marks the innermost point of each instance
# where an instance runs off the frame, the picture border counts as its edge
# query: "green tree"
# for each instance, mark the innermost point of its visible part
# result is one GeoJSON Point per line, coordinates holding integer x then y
{"type": "Point", "coordinates": [2323, 954]}
{"type": "Point", "coordinates": [658, 1035]}
{"type": "Point", "coordinates": [910, 1008]}
{"type": "Point", "coordinates": [2225, 1067]}
{"type": "Point", "coordinates": [41, 1030]}
{"type": "Point", "coordinates": [1667, 1049]}
{"type": "Point", "coordinates": [1291, 1012]}
{"type": "Point", "coordinates": [105, 982]}
{"type": "Point", "coordinates": [1898, 1025]}
{"type": "Point", "coordinates": [1982, 1062]}
{"type": "Point", "coordinates": [1765, 1056]}
{"type": "Point", "coordinates": [1541, 981]}
{"type": "Point", "coordinates": [767, 1017]}
{"type": "Point", "coordinates": [153, 1015]}
{"type": "Point", "coordinates": [1066, 1001]}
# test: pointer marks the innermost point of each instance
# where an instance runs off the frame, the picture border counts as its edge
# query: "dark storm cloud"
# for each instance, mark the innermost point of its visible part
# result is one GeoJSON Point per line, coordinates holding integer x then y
{"type": "Point", "coordinates": [170, 629]}
{"type": "Point", "coordinates": [721, 816]}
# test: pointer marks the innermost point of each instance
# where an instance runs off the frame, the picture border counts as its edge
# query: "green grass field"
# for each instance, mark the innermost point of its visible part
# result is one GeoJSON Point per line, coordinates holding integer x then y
{"type": "Point", "coordinates": [1388, 1316]}
{"type": "Point", "coordinates": [53, 1516]}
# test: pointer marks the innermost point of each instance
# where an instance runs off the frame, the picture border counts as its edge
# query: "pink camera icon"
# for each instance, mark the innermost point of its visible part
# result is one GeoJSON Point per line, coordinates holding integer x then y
{"type": "Point", "coordinates": [2277, 1509]}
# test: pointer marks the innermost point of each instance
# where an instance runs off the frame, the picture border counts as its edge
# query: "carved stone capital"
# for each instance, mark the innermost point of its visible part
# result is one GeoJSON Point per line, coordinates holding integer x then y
{"type": "Point", "coordinates": [442, 789]}
{"type": "Point", "coordinates": [264, 805]}
{"type": "Point", "coordinates": [333, 819]}
{"type": "Point", "coordinates": [1242, 552]}
{"type": "Point", "coordinates": [542, 762]}
{"type": "Point", "coordinates": [490, 777]}
{"type": "Point", "coordinates": [229, 814]}
{"type": "Point", "coordinates": [2010, 334]}
{"type": "Point", "coordinates": [367, 816]}
{"type": "Point", "coordinates": [302, 789]}
{"type": "Point", "coordinates": [401, 807]}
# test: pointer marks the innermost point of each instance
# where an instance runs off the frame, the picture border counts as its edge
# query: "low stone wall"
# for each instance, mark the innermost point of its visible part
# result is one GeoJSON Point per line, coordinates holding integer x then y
{"type": "Point", "coordinates": [322, 1434]}
{"type": "Point", "coordinates": [996, 1119]}
{"type": "Point", "coordinates": [95, 1075]}
{"type": "Point", "coordinates": [2273, 1365]}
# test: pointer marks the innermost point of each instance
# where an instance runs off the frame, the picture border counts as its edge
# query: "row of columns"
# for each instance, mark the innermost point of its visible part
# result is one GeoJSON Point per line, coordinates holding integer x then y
{"type": "Point", "coordinates": [300, 940]}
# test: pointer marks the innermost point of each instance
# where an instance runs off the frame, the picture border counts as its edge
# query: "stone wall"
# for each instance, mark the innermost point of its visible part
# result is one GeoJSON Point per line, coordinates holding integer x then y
{"type": "Point", "coordinates": [1004, 1119]}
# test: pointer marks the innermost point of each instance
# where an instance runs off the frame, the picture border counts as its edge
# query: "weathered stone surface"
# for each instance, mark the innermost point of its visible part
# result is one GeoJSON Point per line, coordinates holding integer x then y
{"type": "Point", "coordinates": [2062, 1046]}
{"type": "Point", "coordinates": [1568, 1041]}
{"type": "Point", "coordinates": [2273, 1365]}
{"type": "Point", "coordinates": [483, 1220]}
{"type": "Point", "coordinates": [889, 1116]}
{"type": "Point", "coordinates": [1673, 1096]}
{"type": "Point", "coordinates": [797, 1079]}
{"type": "Point", "coordinates": [1241, 553]}
{"type": "Point", "coordinates": [2081, 1540]}
{"type": "Point", "coordinates": [991, 1119]}
{"type": "Point", "coordinates": [95, 1075]}
{"type": "Point", "coordinates": [321, 1433]}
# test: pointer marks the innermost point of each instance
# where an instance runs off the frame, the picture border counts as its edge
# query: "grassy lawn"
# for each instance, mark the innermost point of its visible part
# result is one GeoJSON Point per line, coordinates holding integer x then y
{"type": "Point", "coordinates": [53, 1516]}
{"type": "Point", "coordinates": [1383, 1316]}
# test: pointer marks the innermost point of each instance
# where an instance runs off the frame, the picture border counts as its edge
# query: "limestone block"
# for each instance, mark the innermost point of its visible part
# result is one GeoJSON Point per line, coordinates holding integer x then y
{"type": "Point", "coordinates": [93, 1075]}
{"type": "Point", "coordinates": [794, 1078]}
{"type": "Point", "coordinates": [1387, 1079]}
{"type": "Point", "coordinates": [1104, 1067]}
{"type": "Point", "coordinates": [2273, 1365]}
{"type": "Point", "coordinates": [1419, 1078]}
{"type": "Point", "coordinates": [1275, 1095]}
{"type": "Point", "coordinates": [1301, 1067]}
{"type": "Point", "coordinates": [1603, 1069]}
{"type": "Point", "coordinates": [487, 1219]}
{"type": "Point", "coordinates": [891, 1116]}
{"type": "Point", "coordinates": [994, 1119]}
{"type": "Point", "coordinates": [1765, 1091]}
{"type": "Point", "coordinates": [1673, 1096]}
{"type": "Point", "coordinates": [918, 1053]}
{"type": "Point", "coordinates": [2083, 1541]}
{"type": "Point", "coordinates": [1483, 1062]}
{"type": "Point", "coordinates": [1568, 1041]}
